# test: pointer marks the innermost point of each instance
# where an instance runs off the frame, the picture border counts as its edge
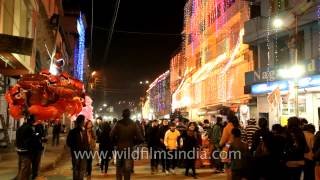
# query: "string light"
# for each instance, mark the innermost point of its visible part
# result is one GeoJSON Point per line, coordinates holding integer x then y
{"type": "Point", "coordinates": [79, 51]}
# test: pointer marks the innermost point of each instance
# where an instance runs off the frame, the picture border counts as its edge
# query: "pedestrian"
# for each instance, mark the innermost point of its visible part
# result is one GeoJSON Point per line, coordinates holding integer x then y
{"type": "Point", "coordinates": [105, 147]}
{"type": "Point", "coordinates": [92, 146]}
{"type": "Point", "coordinates": [215, 139]}
{"type": "Point", "coordinates": [24, 141]}
{"type": "Point", "coordinates": [37, 148]}
{"type": "Point", "coordinates": [226, 140]}
{"type": "Point", "coordinates": [277, 156]}
{"type": "Point", "coordinates": [163, 129]}
{"type": "Point", "coordinates": [190, 147]}
{"type": "Point", "coordinates": [154, 145]}
{"type": "Point", "coordinates": [56, 130]}
{"type": "Point", "coordinates": [125, 135]}
{"type": "Point", "coordinates": [181, 127]}
{"type": "Point", "coordinates": [206, 126]}
{"type": "Point", "coordinates": [309, 166]}
{"type": "Point", "coordinates": [171, 141]}
{"type": "Point", "coordinates": [239, 164]}
{"type": "Point", "coordinates": [250, 130]}
{"type": "Point", "coordinates": [77, 141]}
{"type": "Point", "coordinates": [295, 149]}
{"type": "Point", "coordinates": [261, 150]}
{"type": "Point", "coordinates": [98, 131]}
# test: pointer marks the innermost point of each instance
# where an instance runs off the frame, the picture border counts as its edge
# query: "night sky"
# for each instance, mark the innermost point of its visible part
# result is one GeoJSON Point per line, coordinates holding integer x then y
{"type": "Point", "coordinates": [134, 57]}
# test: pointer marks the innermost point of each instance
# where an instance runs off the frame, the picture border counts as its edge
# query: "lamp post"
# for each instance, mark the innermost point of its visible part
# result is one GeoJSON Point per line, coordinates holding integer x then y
{"type": "Point", "coordinates": [296, 70]}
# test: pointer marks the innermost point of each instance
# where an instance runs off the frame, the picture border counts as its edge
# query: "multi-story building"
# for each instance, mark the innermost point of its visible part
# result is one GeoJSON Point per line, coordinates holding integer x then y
{"type": "Point", "coordinates": [216, 58]}
{"type": "Point", "coordinates": [31, 32]}
{"type": "Point", "coordinates": [284, 37]}
{"type": "Point", "coordinates": [158, 102]}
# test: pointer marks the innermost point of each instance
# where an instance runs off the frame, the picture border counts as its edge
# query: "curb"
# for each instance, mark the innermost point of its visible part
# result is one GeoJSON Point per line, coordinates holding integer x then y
{"type": "Point", "coordinates": [55, 162]}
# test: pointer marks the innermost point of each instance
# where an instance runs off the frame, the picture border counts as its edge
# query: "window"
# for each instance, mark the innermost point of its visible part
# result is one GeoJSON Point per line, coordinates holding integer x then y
{"type": "Point", "coordinates": [283, 51]}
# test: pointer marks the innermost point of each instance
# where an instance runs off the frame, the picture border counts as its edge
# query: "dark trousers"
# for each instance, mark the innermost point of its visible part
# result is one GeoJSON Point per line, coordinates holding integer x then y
{"type": "Point", "coordinates": [190, 164]}
{"type": "Point", "coordinates": [217, 161]}
{"type": "Point", "coordinates": [154, 157]}
{"type": "Point", "coordinates": [171, 159]}
{"type": "Point", "coordinates": [309, 169]}
{"type": "Point", "coordinates": [78, 167]}
{"type": "Point", "coordinates": [25, 161]}
{"type": "Point", "coordinates": [89, 166]}
{"type": "Point", "coordinates": [124, 168]}
{"type": "Point", "coordinates": [163, 157]}
{"type": "Point", "coordinates": [55, 139]}
{"type": "Point", "coordinates": [105, 158]}
{"type": "Point", "coordinates": [36, 159]}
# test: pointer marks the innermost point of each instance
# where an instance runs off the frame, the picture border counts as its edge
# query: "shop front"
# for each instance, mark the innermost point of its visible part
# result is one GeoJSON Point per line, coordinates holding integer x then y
{"type": "Point", "coordinates": [276, 100]}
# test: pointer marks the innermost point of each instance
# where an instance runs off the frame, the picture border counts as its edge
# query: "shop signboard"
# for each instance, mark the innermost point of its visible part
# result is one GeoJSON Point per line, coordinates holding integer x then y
{"type": "Point", "coordinates": [270, 74]}
{"type": "Point", "coordinates": [284, 85]}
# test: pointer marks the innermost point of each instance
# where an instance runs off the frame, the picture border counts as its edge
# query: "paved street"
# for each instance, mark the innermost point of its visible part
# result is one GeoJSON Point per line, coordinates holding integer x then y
{"type": "Point", "coordinates": [142, 171]}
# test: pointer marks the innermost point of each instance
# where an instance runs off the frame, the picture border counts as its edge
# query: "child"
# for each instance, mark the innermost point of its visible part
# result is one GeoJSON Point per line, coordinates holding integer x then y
{"type": "Point", "coordinates": [239, 158]}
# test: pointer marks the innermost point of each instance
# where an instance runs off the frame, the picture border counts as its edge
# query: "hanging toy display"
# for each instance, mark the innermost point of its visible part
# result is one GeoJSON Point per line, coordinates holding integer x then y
{"type": "Point", "coordinates": [46, 96]}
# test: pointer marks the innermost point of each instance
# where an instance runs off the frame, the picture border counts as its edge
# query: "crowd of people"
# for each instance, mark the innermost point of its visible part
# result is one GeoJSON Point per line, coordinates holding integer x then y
{"type": "Point", "coordinates": [291, 152]}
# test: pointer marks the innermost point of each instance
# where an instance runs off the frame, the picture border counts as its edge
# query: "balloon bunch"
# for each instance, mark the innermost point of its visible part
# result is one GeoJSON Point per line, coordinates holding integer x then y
{"type": "Point", "coordinates": [46, 96]}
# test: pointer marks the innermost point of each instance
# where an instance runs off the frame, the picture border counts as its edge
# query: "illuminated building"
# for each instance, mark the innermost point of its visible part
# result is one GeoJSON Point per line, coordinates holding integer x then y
{"type": "Point", "coordinates": [270, 32]}
{"type": "Point", "coordinates": [158, 102]}
{"type": "Point", "coordinates": [215, 58]}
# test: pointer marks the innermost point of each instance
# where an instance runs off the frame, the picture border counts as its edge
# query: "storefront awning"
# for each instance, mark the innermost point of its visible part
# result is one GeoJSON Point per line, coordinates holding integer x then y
{"type": "Point", "coordinates": [11, 66]}
{"type": "Point", "coordinates": [15, 54]}
{"type": "Point", "coordinates": [16, 44]}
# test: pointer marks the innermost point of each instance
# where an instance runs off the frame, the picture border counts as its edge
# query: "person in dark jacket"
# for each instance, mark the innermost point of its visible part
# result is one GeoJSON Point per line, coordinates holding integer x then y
{"type": "Point", "coordinates": [125, 135]}
{"type": "Point", "coordinates": [154, 144]}
{"type": "Point", "coordinates": [56, 134]}
{"type": "Point", "coordinates": [105, 147]}
{"type": "Point", "coordinates": [24, 143]}
{"type": "Point", "coordinates": [39, 138]}
{"type": "Point", "coordinates": [77, 141]}
{"type": "Point", "coordinates": [294, 150]}
{"type": "Point", "coordinates": [163, 129]}
{"type": "Point", "coordinates": [239, 165]}
{"type": "Point", "coordinates": [215, 137]}
{"type": "Point", "coordinates": [190, 147]}
{"type": "Point", "coordinates": [261, 147]}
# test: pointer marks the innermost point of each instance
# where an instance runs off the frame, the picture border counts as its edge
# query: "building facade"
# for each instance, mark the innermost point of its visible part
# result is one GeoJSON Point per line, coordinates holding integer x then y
{"type": "Point", "coordinates": [31, 33]}
{"type": "Point", "coordinates": [216, 58]}
{"type": "Point", "coordinates": [284, 35]}
{"type": "Point", "coordinates": [158, 100]}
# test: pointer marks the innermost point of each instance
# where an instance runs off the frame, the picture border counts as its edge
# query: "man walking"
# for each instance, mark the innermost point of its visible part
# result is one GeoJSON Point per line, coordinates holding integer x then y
{"type": "Point", "coordinates": [153, 145]}
{"type": "Point", "coordinates": [37, 148]}
{"type": "Point", "coordinates": [172, 145]}
{"type": "Point", "coordinates": [125, 135]}
{"type": "Point", "coordinates": [24, 141]}
{"type": "Point", "coordinates": [77, 141]}
{"type": "Point", "coordinates": [56, 130]}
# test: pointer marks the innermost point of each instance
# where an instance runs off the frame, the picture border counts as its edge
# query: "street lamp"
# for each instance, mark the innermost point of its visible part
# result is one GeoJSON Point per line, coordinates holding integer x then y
{"type": "Point", "coordinates": [147, 82]}
{"type": "Point", "coordinates": [277, 23]}
{"type": "Point", "coordinates": [104, 105]}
